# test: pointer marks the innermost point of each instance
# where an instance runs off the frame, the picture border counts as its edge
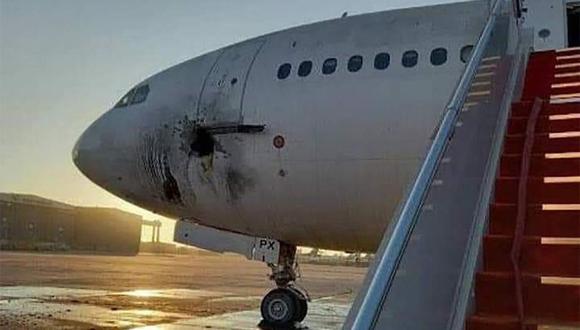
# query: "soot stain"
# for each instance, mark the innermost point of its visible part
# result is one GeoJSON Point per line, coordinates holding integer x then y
{"type": "Point", "coordinates": [170, 187]}
{"type": "Point", "coordinates": [186, 131]}
{"type": "Point", "coordinates": [155, 163]}
{"type": "Point", "coordinates": [151, 158]}
{"type": "Point", "coordinates": [237, 183]}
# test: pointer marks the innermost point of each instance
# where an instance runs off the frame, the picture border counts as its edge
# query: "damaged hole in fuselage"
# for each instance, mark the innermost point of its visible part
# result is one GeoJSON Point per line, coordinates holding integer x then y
{"type": "Point", "coordinates": [204, 144]}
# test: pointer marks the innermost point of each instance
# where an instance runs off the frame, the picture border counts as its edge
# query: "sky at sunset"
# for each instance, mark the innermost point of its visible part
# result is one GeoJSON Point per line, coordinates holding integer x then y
{"type": "Point", "coordinates": [65, 62]}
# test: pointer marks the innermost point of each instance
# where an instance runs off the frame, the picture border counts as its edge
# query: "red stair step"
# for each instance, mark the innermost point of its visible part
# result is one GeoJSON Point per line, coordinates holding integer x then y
{"type": "Point", "coordinates": [514, 144]}
{"type": "Point", "coordinates": [571, 69]}
{"type": "Point", "coordinates": [562, 109]}
{"type": "Point", "coordinates": [557, 223]}
{"type": "Point", "coordinates": [566, 80]}
{"type": "Point", "coordinates": [536, 258]}
{"type": "Point", "coordinates": [518, 125]}
{"type": "Point", "coordinates": [478, 322]}
{"type": "Point", "coordinates": [510, 165]}
{"type": "Point", "coordinates": [544, 303]}
{"type": "Point", "coordinates": [522, 109]}
{"type": "Point", "coordinates": [506, 191]}
{"type": "Point", "coordinates": [495, 294]}
{"type": "Point", "coordinates": [483, 322]}
{"type": "Point", "coordinates": [568, 52]}
{"type": "Point", "coordinates": [565, 306]}
{"type": "Point", "coordinates": [566, 60]}
{"type": "Point", "coordinates": [565, 90]}
{"type": "Point", "coordinates": [492, 322]}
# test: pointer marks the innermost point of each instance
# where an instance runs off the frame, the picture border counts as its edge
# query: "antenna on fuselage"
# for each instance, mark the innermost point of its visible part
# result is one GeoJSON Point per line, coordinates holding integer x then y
{"type": "Point", "coordinates": [345, 14]}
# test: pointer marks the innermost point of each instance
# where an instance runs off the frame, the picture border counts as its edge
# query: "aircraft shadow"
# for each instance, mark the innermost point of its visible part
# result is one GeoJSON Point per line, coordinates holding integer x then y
{"type": "Point", "coordinates": [263, 325]}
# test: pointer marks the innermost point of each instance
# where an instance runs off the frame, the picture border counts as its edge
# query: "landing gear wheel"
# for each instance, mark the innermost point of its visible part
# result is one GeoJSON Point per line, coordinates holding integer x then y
{"type": "Point", "coordinates": [302, 304]}
{"type": "Point", "coordinates": [280, 307]}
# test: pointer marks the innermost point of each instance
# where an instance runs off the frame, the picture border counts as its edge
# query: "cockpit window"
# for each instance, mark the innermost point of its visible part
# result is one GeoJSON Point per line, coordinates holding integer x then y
{"type": "Point", "coordinates": [125, 100]}
{"type": "Point", "coordinates": [140, 94]}
{"type": "Point", "coordinates": [410, 58]}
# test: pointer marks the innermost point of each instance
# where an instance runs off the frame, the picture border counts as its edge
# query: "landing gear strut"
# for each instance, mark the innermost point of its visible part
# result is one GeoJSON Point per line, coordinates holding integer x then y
{"type": "Point", "coordinates": [285, 305]}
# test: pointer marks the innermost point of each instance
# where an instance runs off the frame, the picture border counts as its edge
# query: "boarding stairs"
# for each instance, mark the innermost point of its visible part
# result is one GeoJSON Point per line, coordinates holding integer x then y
{"type": "Point", "coordinates": [488, 234]}
{"type": "Point", "coordinates": [531, 252]}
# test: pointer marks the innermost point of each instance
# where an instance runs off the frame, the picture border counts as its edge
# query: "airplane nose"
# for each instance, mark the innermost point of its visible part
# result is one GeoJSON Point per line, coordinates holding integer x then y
{"type": "Point", "coordinates": [85, 152]}
{"type": "Point", "coordinates": [83, 149]}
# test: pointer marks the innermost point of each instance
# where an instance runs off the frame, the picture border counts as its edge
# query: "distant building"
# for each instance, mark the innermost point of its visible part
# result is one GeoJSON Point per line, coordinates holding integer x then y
{"type": "Point", "coordinates": [29, 222]}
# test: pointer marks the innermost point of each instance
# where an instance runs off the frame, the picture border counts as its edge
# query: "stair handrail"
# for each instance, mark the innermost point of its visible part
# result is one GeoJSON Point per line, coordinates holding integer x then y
{"type": "Point", "coordinates": [522, 204]}
{"type": "Point", "coordinates": [387, 264]}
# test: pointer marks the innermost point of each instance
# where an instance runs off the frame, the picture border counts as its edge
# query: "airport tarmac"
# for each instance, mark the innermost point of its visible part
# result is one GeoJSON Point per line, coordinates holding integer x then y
{"type": "Point", "coordinates": [41, 291]}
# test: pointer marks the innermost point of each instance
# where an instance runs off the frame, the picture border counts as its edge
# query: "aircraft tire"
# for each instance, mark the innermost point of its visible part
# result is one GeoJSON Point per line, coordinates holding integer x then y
{"type": "Point", "coordinates": [302, 304]}
{"type": "Point", "coordinates": [280, 307]}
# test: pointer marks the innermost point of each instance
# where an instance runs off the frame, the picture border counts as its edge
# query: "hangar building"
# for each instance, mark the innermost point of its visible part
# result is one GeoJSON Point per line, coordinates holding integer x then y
{"type": "Point", "coordinates": [29, 222]}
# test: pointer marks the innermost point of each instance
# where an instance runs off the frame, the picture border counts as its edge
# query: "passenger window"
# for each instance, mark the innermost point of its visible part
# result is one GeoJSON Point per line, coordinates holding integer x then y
{"type": "Point", "coordinates": [305, 68]}
{"type": "Point", "coordinates": [355, 63]}
{"type": "Point", "coordinates": [410, 58]}
{"type": "Point", "coordinates": [124, 101]}
{"type": "Point", "coordinates": [439, 56]}
{"type": "Point", "coordinates": [465, 53]}
{"type": "Point", "coordinates": [140, 94]}
{"type": "Point", "coordinates": [284, 70]}
{"type": "Point", "coordinates": [329, 66]}
{"type": "Point", "coordinates": [382, 61]}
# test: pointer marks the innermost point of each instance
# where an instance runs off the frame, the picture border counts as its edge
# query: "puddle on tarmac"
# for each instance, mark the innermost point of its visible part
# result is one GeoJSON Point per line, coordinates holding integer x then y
{"type": "Point", "coordinates": [236, 298]}
{"type": "Point", "coordinates": [48, 314]}
{"type": "Point", "coordinates": [172, 293]}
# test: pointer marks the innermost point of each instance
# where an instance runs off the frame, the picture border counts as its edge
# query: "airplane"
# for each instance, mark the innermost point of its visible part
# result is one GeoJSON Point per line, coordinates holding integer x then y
{"type": "Point", "coordinates": [303, 137]}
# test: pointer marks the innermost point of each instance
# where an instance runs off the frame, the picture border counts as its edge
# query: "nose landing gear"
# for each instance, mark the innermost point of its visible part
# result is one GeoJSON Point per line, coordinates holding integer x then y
{"type": "Point", "coordinates": [286, 305]}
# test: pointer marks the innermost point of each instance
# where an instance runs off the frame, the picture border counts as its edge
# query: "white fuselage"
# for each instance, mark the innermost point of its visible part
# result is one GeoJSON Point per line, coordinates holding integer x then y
{"type": "Point", "coordinates": [352, 140]}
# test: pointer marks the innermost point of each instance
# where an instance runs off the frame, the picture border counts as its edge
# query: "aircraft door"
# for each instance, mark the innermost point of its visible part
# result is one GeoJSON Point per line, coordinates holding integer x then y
{"type": "Point", "coordinates": [222, 95]}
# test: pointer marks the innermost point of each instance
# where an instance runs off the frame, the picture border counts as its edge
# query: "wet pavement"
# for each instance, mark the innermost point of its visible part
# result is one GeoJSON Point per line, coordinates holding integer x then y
{"type": "Point", "coordinates": [46, 307]}
{"type": "Point", "coordinates": [325, 313]}
{"type": "Point", "coordinates": [49, 307]}
{"type": "Point", "coordinates": [42, 291]}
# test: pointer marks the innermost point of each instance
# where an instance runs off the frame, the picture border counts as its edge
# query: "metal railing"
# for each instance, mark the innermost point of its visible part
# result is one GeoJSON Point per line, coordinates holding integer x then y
{"type": "Point", "coordinates": [522, 203]}
{"type": "Point", "coordinates": [387, 265]}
